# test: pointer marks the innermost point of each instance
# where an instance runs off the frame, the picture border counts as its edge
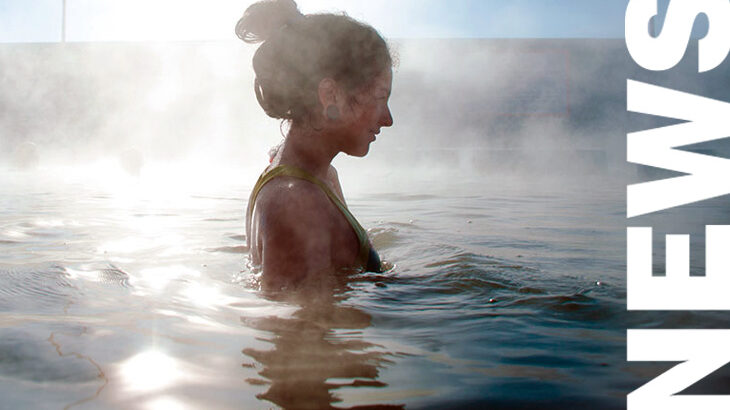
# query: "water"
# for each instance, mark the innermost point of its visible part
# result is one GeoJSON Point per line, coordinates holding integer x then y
{"type": "Point", "coordinates": [132, 291]}
{"type": "Point", "coordinates": [503, 293]}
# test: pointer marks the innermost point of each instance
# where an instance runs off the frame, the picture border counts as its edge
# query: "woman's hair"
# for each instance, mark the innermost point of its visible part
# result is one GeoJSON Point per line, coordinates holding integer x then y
{"type": "Point", "coordinates": [298, 51]}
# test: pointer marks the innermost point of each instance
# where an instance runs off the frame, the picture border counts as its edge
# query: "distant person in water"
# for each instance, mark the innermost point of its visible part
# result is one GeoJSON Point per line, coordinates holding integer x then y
{"type": "Point", "coordinates": [330, 77]}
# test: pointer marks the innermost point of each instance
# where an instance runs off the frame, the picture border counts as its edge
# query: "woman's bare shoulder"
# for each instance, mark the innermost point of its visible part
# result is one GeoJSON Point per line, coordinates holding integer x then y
{"type": "Point", "coordinates": [288, 197]}
{"type": "Point", "coordinates": [296, 228]}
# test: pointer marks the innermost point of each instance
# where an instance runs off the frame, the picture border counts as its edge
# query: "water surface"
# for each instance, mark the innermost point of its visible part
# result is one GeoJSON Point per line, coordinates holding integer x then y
{"type": "Point", "coordinates": [503, 293]}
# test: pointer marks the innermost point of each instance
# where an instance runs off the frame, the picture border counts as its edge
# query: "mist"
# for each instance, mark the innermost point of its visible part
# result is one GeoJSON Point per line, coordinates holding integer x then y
{"type": "Point", "coordinates": [518, 109]}
{"type": "Point", "coordinates": [497, 199]}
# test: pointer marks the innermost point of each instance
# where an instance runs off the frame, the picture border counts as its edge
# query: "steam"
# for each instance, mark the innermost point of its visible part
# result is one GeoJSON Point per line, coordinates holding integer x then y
{"type": "Point", "coordinates": [73, 104]}
{"type": "Point", "coordinates": [484, 108]}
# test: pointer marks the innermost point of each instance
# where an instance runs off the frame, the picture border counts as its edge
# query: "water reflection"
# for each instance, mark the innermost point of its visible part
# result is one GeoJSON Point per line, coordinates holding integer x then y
{"type": "Point", "coordinates": [316, 351]}
{"type": "Point", "coordinates": [150, 371]}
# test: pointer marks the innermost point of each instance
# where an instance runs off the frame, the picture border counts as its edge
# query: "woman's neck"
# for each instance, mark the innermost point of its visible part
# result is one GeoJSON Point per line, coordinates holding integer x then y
{"type": "Point", "coordinates": [309, 150]}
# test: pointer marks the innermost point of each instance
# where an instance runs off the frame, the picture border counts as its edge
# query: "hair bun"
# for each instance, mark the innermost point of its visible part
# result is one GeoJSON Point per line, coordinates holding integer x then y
{"type": "Point", "coordinates": [261, 20]}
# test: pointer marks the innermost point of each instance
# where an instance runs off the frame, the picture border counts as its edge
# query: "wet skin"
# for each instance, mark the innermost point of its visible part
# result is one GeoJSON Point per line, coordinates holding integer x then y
{"type": "Point", "coordinates": [296, 231]}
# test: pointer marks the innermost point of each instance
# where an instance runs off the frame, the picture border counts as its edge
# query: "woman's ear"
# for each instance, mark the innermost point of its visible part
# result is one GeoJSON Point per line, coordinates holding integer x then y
{"type": "Point", "coordinates": [327, 92]}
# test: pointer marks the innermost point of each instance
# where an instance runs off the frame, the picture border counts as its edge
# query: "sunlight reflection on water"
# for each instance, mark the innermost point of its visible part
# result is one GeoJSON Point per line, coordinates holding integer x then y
{"type": "Point", "coordinates": [148, 371]}
{"type": "Point", "coordinates": [156, 291]}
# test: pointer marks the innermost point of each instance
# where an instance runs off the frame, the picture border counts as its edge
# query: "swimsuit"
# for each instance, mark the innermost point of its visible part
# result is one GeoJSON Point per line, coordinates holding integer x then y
{"type": "Point", "coordinates": [367, 257]}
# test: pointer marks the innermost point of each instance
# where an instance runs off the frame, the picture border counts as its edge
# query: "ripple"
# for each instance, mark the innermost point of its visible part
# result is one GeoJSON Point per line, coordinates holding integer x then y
{"type": "Point", "coordinates": [109, 275]}
{"type": "Point", "coordinates": [218, 198]}
{"type": "Point", "coordinates": [229, 249]}
{"type": "Point", "coordinates": [383, 237]}
{"type": "Point", "coordinates": [114, 275]}
{"type": "Point", "coordinates": [35, 287]}
{"type": "Point", "coordinates": [402, 197]}
{"type": "Point", "coordinates": [575, 307]}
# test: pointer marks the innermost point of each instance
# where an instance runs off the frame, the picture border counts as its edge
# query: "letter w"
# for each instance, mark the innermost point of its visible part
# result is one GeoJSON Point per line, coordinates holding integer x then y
{"type": "Point", "coordinates": [706, 120]}
{"type": "Point", "coordinates": [701, 351]}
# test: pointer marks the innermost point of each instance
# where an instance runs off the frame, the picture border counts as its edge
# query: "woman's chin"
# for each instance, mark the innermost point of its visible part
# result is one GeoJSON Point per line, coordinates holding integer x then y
{"type": "Point", "coordinates": [359, 152]}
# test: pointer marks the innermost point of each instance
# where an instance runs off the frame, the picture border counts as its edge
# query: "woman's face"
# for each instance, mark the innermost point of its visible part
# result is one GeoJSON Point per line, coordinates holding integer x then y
{"type": "Point", "coordinates": [366, 114]}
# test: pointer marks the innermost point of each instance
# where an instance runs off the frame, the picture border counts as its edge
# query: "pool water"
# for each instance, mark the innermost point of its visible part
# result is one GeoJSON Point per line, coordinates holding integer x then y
{"type": "Point", "coordinates": [504, 293]}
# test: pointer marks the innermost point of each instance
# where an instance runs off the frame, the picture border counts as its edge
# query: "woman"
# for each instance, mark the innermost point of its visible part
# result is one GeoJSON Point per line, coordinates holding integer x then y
{"type": "Point", "coordinates": [330, 77]}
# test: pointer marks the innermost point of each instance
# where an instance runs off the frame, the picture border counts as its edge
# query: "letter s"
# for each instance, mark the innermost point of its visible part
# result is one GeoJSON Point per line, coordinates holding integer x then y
{"type": "Point", "coordinates": [666, 50]}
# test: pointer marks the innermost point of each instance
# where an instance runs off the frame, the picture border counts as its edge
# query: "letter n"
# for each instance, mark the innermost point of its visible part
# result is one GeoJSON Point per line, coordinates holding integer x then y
{"type": "Point", "coordinates": [701, 351]}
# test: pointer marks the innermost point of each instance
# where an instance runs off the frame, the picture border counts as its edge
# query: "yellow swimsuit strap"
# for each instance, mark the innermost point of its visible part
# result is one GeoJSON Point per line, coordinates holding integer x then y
{"type": "Point", "coordinates": [291, 171]}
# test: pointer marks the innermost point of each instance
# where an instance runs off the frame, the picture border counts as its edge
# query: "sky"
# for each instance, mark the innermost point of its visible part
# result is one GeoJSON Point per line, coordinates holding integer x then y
{"type": "Point", "coordinates": [196, 20]}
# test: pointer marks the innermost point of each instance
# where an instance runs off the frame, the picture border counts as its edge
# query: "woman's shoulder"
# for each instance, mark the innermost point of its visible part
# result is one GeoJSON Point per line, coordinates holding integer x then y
{"type": "Point", "coordinates": [289, 197]}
